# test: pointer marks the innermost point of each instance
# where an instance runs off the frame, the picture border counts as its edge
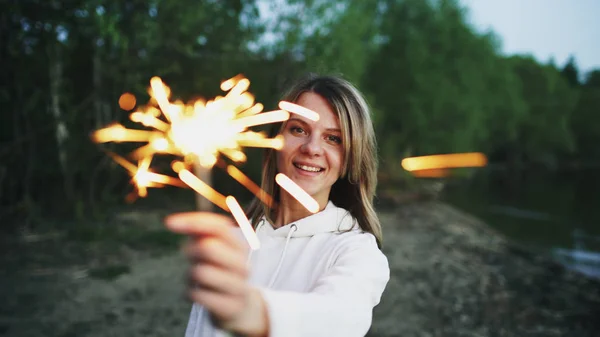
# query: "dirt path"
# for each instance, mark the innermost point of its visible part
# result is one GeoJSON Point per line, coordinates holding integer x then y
{"type": "Point", "coordinates": [451, 276]}
{"type": "Point", "coordinates": [147, 301]}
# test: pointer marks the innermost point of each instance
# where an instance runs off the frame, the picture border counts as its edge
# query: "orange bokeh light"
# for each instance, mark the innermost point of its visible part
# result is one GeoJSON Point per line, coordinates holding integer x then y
{"type": "Point", "coordinates": [441, 161]}
{"type": "Point", "coordinates": [431, 173]}
{"type": "Point", "coordinates": [127, 101]}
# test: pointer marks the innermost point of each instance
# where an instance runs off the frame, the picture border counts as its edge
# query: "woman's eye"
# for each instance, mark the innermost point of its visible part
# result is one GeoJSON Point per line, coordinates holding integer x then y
{"type": "Point", "coordinates": [297, 129]}
{"type": "Point", "coordinates": [335, 139]}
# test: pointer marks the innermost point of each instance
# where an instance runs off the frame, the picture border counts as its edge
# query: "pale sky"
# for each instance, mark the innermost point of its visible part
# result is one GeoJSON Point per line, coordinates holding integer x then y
{"type": "Point", "coordinates": [543, 28]}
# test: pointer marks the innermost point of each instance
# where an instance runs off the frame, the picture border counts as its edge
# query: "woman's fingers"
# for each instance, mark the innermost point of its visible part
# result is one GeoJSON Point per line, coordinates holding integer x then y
{"type": "Point", "coordinates": [204, 224]}
{"type": "Point", "coordinates": [198, 223]}
{"type": "Point", "coordinates": [224, 307]}
{"type": "Point", "coordinates": [218, 272]}
{"type": "Point", "coordinates": [206, 276]}
{"type": "Point", "coordinates": [214, 251]}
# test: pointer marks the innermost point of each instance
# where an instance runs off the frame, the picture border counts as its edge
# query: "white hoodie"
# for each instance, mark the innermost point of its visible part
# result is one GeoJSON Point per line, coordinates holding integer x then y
{"type": "Point", "coordinates": [320, 276]}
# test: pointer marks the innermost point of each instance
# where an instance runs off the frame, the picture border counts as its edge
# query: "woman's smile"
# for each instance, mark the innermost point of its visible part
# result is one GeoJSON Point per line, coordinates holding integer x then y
{"type": "Point", "coordinates": [308, 167]}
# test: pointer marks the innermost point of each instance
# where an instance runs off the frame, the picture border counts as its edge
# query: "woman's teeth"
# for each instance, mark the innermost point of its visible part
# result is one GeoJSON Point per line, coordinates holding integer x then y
{"type": "Point", "coordinates": [308, 168]}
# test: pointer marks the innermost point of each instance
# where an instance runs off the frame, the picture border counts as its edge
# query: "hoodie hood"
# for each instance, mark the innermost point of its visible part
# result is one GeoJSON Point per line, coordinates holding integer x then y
{"type": "Point", "coordinates": [332, 219]}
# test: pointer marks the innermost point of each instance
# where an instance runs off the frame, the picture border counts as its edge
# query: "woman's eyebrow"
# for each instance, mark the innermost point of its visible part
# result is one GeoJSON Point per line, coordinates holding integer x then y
{"type": "Point", "coordinates": [306, 124]}
{"type": "Point", "coordinates": [297, 120]}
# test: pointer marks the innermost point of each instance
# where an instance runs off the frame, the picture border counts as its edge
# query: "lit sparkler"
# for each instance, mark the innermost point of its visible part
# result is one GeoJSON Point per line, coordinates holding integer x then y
{"type": "Point", "coordinates": [200, 133]}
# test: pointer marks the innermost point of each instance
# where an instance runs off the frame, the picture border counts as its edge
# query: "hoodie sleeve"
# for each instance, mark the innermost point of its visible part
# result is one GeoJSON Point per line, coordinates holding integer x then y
{"type": "Point", "coordinates": [340, 303]}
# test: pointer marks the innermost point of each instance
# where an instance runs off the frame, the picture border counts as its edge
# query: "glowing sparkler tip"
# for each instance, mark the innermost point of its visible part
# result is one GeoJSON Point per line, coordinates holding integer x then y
{"type": "Point", "coordinates": [160, 144]}
{"type": "Point", "coordinates": [241, 219]}
{"type": "Point", "coordinates": [263, 118]}
{"type": "Point", "coordinates": [142, 178]}
{"type": "Point", "coordinates": [299, 110]}
{"type": "Point", "coordinates": [137, 117]}
{"type": "Point", "coordinates": [155, 80]}
{"type": "Point", "coordinates": [297, 192]}
{"type": "Point", "coordinates": [278, 142]}
{"type": "Point", "coordinates": [228, 84]}
{"type": "Point", "coordinates": [177, 166]}
{"type": "Point", "coordinates": [242, 85]}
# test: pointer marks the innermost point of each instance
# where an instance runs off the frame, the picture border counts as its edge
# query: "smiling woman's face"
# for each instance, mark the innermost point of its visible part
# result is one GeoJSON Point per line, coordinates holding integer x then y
{"type": "Point", "coordinates": [313, 152]}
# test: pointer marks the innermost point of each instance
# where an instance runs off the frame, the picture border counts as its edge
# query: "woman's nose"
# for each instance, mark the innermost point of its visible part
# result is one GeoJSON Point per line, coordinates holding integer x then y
{"type": "Point", "coordinates": [312, 146]}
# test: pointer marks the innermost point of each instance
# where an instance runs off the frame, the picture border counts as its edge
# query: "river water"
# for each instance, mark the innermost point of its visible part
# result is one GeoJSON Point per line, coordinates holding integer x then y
{"type": "Point", "coordinates": [555, 214]}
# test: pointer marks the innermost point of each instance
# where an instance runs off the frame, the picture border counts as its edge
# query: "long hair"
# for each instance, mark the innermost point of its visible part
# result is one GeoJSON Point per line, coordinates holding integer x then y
{"type": "Point", "coordinates": [355, 189]}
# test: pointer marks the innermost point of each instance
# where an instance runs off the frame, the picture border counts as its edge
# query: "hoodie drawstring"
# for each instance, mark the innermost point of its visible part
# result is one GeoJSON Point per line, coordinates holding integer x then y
{"type": "Point", "coordinates": [293, 229]}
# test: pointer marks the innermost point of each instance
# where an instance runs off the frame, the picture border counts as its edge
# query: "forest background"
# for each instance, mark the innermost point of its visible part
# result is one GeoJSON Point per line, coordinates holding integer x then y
{"type": "Point", "coordinates": [435, 85]}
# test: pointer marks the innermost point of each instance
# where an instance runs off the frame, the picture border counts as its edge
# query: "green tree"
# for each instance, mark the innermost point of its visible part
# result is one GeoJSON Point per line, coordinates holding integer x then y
{"type": "Point", "coordinates": [325, 36]}
{"type": "Point", "coordinates": [570, 72]}
{"type": "Point", "coordinates": [592, 79]}
{"type": "Point", "coordinates": [545, 133]}
{"type": "Point", "coordinates": [70, 62]}
{"type": "Point", "coordinates": [346, 42]}
{"type": "Point", "coordinates": [586, 119]}
{"type": "Point", "coordinates": [438, 87]}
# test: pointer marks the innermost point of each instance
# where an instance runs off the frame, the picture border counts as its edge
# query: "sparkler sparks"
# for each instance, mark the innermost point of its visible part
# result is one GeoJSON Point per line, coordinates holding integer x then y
{"type": "Point", "coordinates": [300, 110]}
{"type": "Point", "coordinates": [438, 165]}
{"type": "Point", "coordinates": [201, 133]}
{"type": "Point", "coordinates": [297, 192]}
{"type": "Point", "coordinates": [241, 219]}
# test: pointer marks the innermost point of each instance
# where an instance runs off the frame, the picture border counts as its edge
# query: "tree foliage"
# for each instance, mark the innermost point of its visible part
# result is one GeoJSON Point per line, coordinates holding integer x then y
{"type": "Point", "coordinates": [435, 85]}
{"type": "Point", "coordinates": [544, 133]}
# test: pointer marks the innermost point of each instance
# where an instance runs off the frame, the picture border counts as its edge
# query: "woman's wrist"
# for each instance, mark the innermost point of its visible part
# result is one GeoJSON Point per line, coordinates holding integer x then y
{"type": "Point", "coordinates": [253, 321]}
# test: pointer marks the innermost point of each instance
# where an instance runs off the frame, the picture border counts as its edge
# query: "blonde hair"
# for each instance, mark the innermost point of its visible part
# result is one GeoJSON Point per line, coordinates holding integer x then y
{"type": "Point", "coordinates": [355, 189]}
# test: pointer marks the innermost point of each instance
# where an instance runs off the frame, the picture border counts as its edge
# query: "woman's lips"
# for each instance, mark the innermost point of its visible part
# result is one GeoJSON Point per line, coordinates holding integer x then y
{"type": "Point", "coordinates": [308, 169]}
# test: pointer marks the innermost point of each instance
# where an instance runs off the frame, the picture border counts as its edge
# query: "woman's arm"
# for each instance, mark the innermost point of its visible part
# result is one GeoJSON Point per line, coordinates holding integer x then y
{"type": "Point", "coordinates": [340, 303]}
{"type": "Point", "coordinates": [218, 275]}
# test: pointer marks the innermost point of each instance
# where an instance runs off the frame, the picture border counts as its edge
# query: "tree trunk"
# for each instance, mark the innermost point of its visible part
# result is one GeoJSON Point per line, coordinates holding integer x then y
{"type": "Point", "coordinates": [97, 81]}
{"type": "Point", "coordinates": [61, 131]}
{"type": "Point", "coordinates": [102, 109]}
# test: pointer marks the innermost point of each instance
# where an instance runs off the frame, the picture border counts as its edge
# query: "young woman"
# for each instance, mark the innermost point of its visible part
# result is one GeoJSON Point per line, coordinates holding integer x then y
{"type": "Point", "coordinates": [315, 274]}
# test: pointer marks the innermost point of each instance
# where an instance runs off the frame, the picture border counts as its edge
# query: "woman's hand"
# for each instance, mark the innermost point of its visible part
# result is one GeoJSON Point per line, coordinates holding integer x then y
{"type": "Point", "coordinates": [218, 273]}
